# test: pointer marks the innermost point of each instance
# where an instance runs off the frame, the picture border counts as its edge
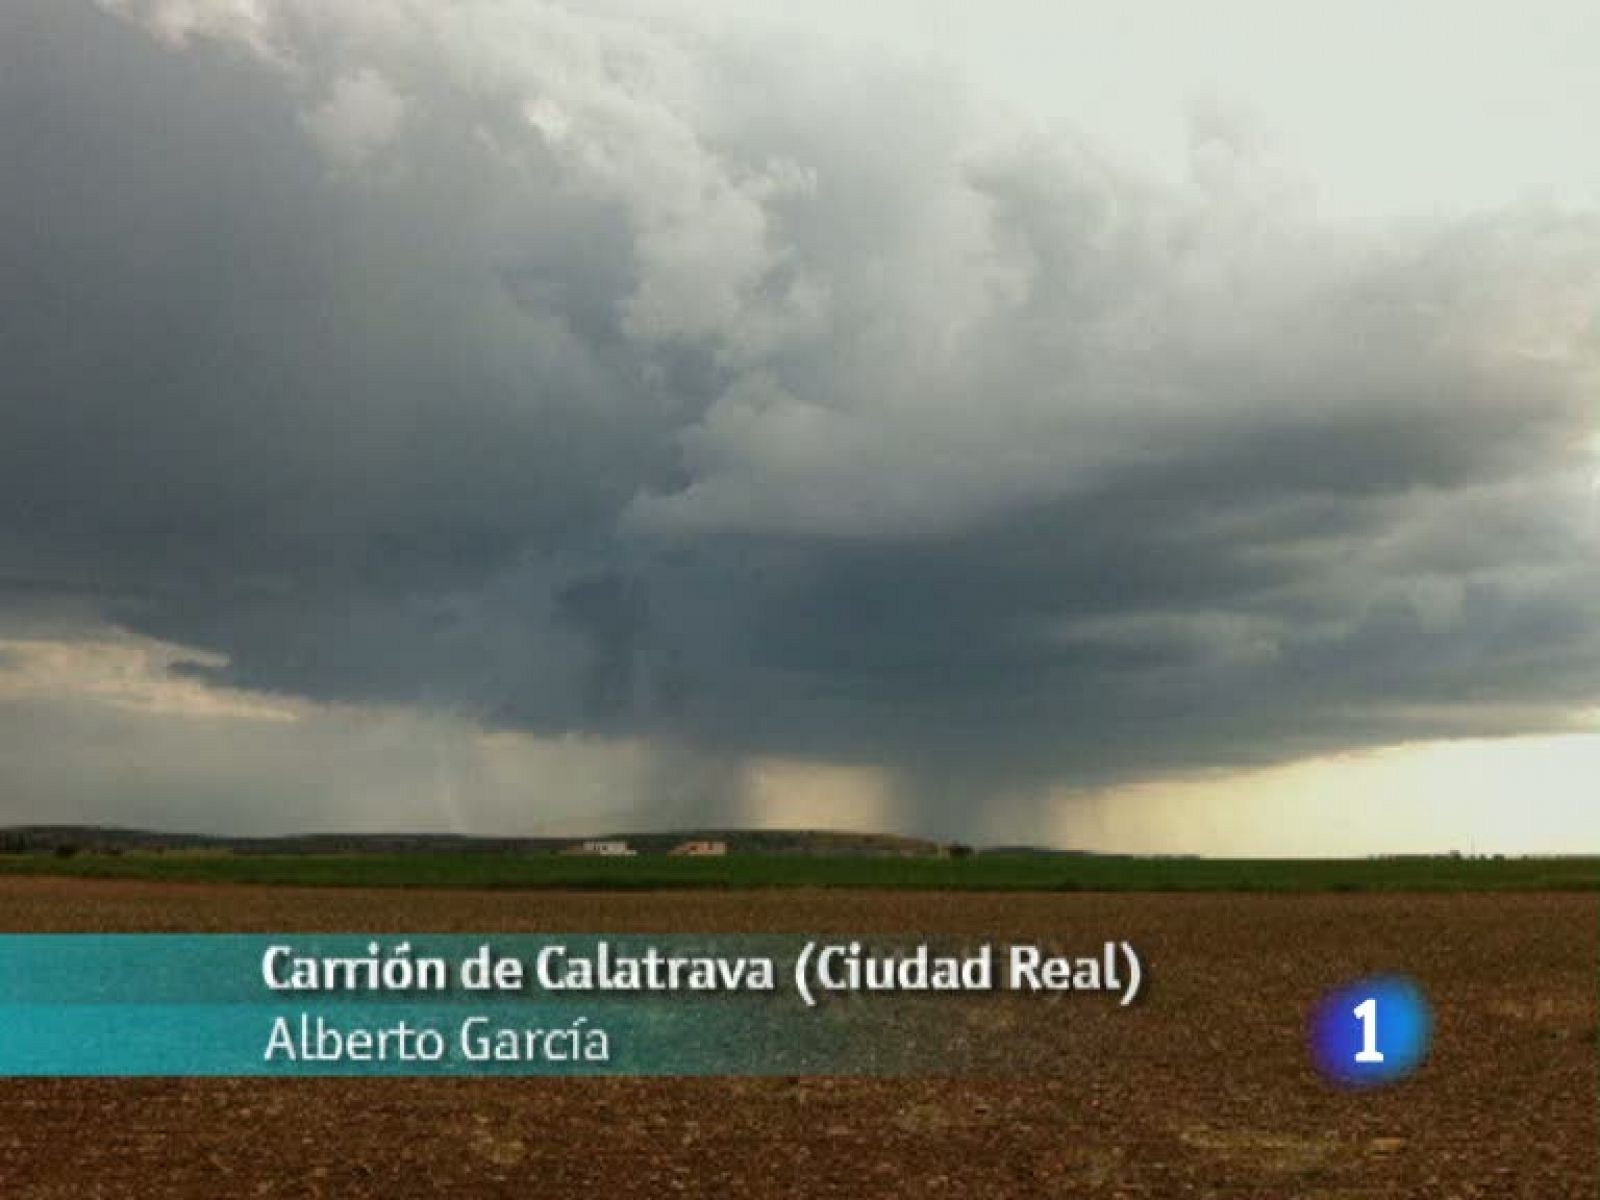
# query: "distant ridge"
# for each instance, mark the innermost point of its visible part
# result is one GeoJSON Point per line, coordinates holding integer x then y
{"type": "Point", "coordinates": [103, 839]}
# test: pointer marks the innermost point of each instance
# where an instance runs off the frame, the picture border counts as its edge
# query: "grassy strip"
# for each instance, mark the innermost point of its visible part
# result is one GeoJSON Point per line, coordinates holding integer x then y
{"type": "Point", "coordinates": [981, 873]}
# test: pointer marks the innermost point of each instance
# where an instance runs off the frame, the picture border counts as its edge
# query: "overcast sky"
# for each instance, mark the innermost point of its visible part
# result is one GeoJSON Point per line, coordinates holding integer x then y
{"type": "Point", "coordinates": [1125, 425]}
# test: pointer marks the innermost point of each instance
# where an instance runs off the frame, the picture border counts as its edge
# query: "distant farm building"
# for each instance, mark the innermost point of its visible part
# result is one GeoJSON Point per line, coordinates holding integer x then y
{"type": "Point", "coordinates": [604, 848]}
{"type": "Point", "coordinates": [699, 849]}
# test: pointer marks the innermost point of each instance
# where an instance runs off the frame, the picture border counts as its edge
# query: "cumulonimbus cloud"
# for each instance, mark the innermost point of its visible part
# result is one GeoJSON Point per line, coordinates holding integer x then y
{"type": "Point", "coordinates": [588, 371]}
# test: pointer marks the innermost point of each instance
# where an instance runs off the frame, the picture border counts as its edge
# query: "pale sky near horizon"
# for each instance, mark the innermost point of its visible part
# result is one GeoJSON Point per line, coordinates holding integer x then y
{"type": "Point", "coordinates": [1134, 426]}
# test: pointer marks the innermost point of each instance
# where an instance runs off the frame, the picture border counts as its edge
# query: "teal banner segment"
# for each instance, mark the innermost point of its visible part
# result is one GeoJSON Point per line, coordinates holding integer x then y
{"type": "Point", "coordinates": [307, 1005]}
{"type": "Point", "coordinates": [501, 1039]}
{"type": "Point", "coordinates": [233, 968]}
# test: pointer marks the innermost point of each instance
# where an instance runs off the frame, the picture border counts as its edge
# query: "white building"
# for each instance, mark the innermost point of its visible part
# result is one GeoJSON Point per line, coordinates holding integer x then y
{"type": "Point", "coordinates": [603, 848]}
{"type": "Point", "coordinates": [700, 849]}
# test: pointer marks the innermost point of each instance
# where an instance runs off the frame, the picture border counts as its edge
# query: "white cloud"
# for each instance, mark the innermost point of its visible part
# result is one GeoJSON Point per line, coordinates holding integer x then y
{"type": "Point", "coordinates": [134, 674]}
{"type": "Point", "coordinates": [360, 117]}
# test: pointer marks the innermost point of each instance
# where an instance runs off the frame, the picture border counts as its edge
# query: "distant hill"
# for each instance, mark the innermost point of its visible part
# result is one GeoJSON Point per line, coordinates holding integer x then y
{"type": "Point", "coordinates": [98, 839]}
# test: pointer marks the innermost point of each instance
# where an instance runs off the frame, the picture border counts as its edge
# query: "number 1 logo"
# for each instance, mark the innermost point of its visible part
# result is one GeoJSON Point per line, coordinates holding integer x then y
{"type": "Point", "coordinates": [1370, 1032]}
{"type": "Point", "coordinates": [1367, 1013]}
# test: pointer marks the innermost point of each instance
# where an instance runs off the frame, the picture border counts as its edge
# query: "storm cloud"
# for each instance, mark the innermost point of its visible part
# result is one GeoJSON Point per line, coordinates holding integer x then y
{"type": "Point", "coordinates": [572, 371]}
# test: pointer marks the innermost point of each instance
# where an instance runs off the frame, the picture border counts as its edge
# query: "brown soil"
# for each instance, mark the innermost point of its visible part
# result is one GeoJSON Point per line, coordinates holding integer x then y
{"type": "Point", "coordinates": [1201, 1089]}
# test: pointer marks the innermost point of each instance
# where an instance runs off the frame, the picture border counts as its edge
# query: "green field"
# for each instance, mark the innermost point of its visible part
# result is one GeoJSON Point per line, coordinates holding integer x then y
{"type": "Point", "coordinates": [979, 873]}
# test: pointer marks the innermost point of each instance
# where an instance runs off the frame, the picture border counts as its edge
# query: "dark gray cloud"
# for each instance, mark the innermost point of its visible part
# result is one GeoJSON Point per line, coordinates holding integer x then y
{"type": "Point", "coordinates": [572, 375]}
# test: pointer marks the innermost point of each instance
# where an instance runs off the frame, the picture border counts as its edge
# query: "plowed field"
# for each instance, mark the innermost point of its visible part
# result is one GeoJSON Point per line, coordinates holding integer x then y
{"type": "Point", "coordinates": [1201, 1089]}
